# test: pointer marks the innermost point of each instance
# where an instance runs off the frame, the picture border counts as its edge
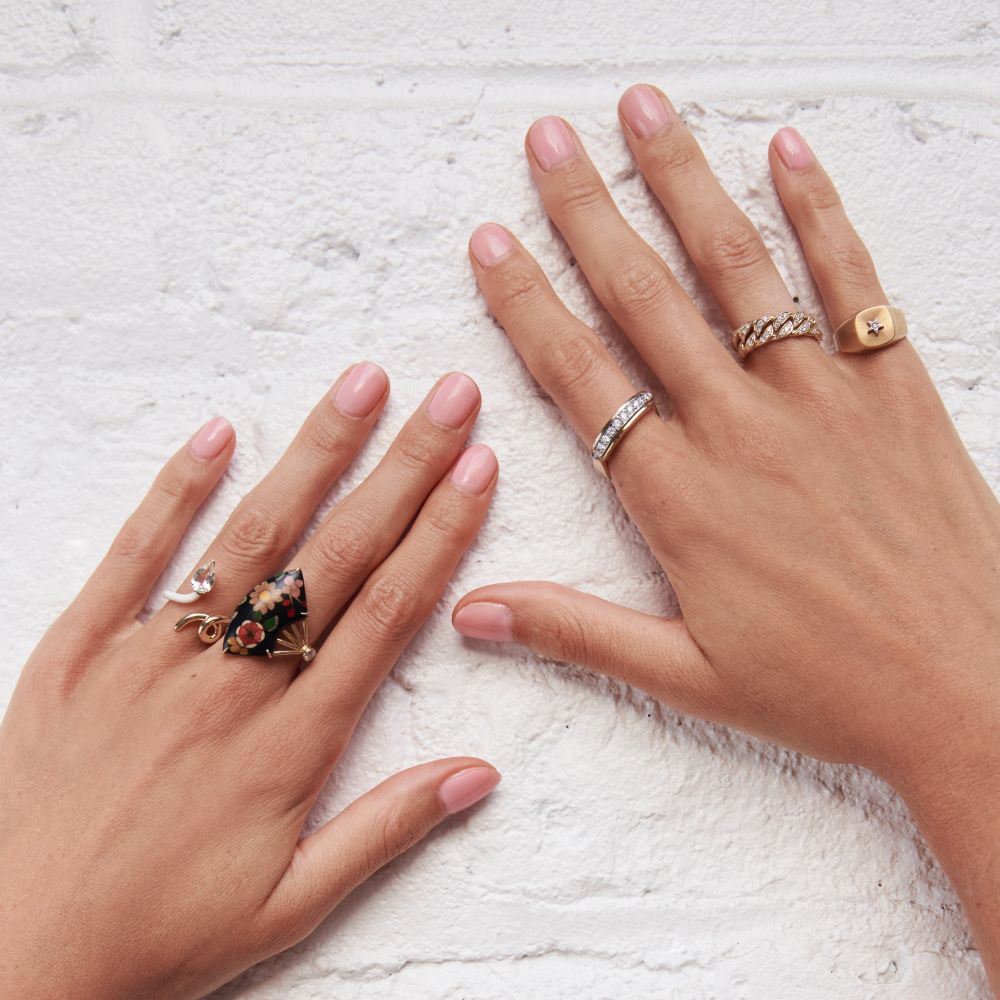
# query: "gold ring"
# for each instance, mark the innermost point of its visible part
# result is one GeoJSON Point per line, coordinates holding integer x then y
{"type": "Point", "coordinates": [870, 330]}
{"type": "Point", "coordinates": [614, 430]}
{"type": "Point", "coordinates": [768, 329]}
{"type": "Point", "coordinates": [271, 621]}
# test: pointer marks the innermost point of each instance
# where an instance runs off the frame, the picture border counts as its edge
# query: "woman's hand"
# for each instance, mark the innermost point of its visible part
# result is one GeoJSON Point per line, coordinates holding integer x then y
{"type": "Point", "coordinates": [153, 790]}
{"type": "Point", "coordinates": [834, 551]}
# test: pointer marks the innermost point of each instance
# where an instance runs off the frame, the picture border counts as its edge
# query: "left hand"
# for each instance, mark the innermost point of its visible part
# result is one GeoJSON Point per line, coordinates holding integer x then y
{"type": "Point", "coordinates": [833, 549]}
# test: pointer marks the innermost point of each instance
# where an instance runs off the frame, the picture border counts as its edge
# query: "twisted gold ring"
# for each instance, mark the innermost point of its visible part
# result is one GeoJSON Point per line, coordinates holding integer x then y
{"type": "Point", "coordinates": [768, 329]}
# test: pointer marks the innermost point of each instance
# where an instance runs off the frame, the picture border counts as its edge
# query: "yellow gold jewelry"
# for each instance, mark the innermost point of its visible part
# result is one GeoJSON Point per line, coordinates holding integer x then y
{"type": "Point", "coordinates": [870, 330]}
{"type": "Point", "coordinates": [762, 331]}
{"type": "Point", "coordinates": [629, 413]}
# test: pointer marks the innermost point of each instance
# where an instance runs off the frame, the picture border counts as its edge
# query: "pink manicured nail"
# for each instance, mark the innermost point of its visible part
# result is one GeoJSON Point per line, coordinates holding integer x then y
{"type": "Point", "coordinates": [792, 148]}
{"type": "Point", "coordinates": [644, 110]}
{"type": "Point", "coordinates": [454, 401]}
{"type": "Point", "coordinates": [490, 244]}
{"type": "Point", "coordinates": [466, 788]}
{"type": "Point", "coordinates": [362, 388]}
{"type": "Point", "coordinates": [475, 470]}
{"type": "Point", "coordinates": [552, 142]}
{"type": "Point", "coordinates": [484, 620]}
{"type": "Point", "coordinates": [210, 441]}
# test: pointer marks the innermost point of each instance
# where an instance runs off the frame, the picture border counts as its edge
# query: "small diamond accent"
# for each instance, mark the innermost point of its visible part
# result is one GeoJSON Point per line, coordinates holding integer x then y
{"type": "Point", "coordinates": [875, 327]}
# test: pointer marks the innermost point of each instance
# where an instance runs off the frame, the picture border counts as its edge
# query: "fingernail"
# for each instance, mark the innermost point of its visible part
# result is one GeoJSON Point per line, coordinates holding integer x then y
{"type": "Point", "coordinates": [466, 788]}
{"type": "Point", "coordinates": [484, 620]}
{"type": "Point", "coordinates": [454, 401]}
{"type": "Point", "coordinates": [363, 386]}
{"type": "Point", "coordinates": [490, 244]}
{"type": "Point", "coordinates": [644, 110]}
{"type": "Point", "coordinates": [552, 142]}
{"type": "Point", "coordinates": [475, 470]}
{"type": "Point", "coordinates": [792, 148]}
{"type": "Point", "coordinates": [210, 441]}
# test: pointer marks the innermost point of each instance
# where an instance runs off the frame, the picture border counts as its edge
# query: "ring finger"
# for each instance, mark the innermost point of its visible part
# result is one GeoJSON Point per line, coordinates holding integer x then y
{"type": "Point", "coordinates": [724, 245]}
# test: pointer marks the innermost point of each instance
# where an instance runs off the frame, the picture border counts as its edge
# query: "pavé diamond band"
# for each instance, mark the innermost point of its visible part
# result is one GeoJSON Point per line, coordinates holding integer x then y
{"type": "Point", "coordinates": [870, 329]}
{"type": "Point", "coordinates": [614, 430]}
{"type": "Point", "coordinates": [767, 329]}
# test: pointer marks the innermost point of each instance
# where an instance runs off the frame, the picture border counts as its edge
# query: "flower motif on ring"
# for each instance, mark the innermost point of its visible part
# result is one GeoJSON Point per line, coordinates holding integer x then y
{"type": "Point", "coordinates": [265, 595]}
{"type": "Point", "coordinates": [249, 634]}
{"type": "Point", "coordinates": [291, 585]}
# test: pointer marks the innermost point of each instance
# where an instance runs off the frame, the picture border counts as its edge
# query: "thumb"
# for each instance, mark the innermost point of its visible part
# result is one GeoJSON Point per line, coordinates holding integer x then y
{"type": "Point", "coordinates": [655, 654]}
{"type": "Point", "coordinates": [370, 832]}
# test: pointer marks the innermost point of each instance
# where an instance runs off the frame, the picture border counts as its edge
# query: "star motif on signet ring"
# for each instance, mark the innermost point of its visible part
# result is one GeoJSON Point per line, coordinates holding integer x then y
{"type": "Point", "coordinates": [875, 327]}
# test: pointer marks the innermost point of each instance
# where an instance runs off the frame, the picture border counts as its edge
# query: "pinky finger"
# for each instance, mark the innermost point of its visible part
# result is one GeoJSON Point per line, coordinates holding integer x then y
{"type": "Point", "coordinates": [147, 540]}
{"type": "Point", "coordinates": [368, 834]}
{"type": "Point", "coordinates": [655, 654]}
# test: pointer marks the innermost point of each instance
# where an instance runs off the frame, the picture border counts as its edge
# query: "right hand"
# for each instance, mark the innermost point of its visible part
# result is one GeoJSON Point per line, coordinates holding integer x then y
{"type": "Point", "coordinates": [153, 790]}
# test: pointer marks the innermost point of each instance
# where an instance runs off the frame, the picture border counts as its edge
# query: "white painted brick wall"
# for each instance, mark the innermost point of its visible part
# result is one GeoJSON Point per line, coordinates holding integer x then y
{"type": "Point", "coordinates": [216, 206]}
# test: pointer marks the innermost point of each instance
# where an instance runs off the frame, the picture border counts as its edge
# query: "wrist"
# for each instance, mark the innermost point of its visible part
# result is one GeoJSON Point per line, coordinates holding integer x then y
{"type": "Point", "coordinates": [953, 794]}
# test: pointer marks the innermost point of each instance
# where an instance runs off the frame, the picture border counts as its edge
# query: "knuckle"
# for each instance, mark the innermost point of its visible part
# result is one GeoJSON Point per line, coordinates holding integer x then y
{"type": "Point", "coordinates": [390, 835]}
{"type": "Point", "coordinates": [578, 195]}
{"type": "Point", "coordinates": [416, 452]}
{"type": "Point", "coordinates": [518, 292]}
{"type": "Point", "coordinates": [673, 158]}
{"type": "Point", "coordinates": [252, 531]}
{"type": "Point", "coordinates": [819, 197]}
{"type": "Point", "coordinates": [637, 286]}
{"type": "Point", "coordinates": [344, 546]}
{"type": "Point", "coordinates": [173, 489]}
{"type": "Point", "coordinates": [139, 536]}
{"type": "Point", "coordinates": [849, 261]}
{"type": "Point", "coordinates": [326, 439]}
{"type": "Point", "coordinates": [442, 520]}
{"type": "Point", "coordinates": [734, 247]}
{"type": "Point", "coordinates": [394, 605]}
{"type": "Point", "coordinates": [914, 401]}
{"type": "Point", "coordinates": [573, 361]}
{"type": "Point", "coordinates": [567, 634]}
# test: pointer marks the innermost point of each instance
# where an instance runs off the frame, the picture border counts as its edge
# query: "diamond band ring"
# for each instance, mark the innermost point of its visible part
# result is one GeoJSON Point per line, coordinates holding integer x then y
{"type": "Point", "coordinates": [614, 430]}
{"type": "Point", "coordinates": [870, 329]}
{"type": "Point", "coordinates": [762, 331]}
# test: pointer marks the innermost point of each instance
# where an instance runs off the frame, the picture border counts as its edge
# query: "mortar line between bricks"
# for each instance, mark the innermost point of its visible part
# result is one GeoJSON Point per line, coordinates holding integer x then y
{"type": "Point", "coordinates": [510, 88]}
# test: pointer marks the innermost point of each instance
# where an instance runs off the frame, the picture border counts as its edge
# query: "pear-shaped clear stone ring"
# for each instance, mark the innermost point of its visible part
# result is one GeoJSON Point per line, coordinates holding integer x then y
{"type": "Point", "coordinates": [767, 329]}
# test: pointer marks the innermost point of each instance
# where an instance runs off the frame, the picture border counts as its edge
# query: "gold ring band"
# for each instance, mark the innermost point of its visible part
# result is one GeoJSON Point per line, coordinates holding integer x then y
{"type": "Point", "coordinates": [768, 329]}
{"type": "Point", "coordinates": [870, 330]}
{"type": "Point", "coordinates": [629, 413]}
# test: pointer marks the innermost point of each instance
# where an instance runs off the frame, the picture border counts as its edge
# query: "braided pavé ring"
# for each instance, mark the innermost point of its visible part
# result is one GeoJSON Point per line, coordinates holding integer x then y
{"type": "Point", "coordinates": [768, 329]}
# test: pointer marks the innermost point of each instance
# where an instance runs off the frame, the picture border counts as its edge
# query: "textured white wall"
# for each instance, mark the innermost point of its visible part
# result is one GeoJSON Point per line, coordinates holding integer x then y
{"type": "Point", "coordinates": [216, 206]}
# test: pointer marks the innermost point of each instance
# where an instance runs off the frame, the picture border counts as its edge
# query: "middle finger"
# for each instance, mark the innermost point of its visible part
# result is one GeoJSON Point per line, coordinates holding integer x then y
{"type": "Point", "coordinates": [723, 243]}
{"type": "Point", "coordinates": [358, 533]}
